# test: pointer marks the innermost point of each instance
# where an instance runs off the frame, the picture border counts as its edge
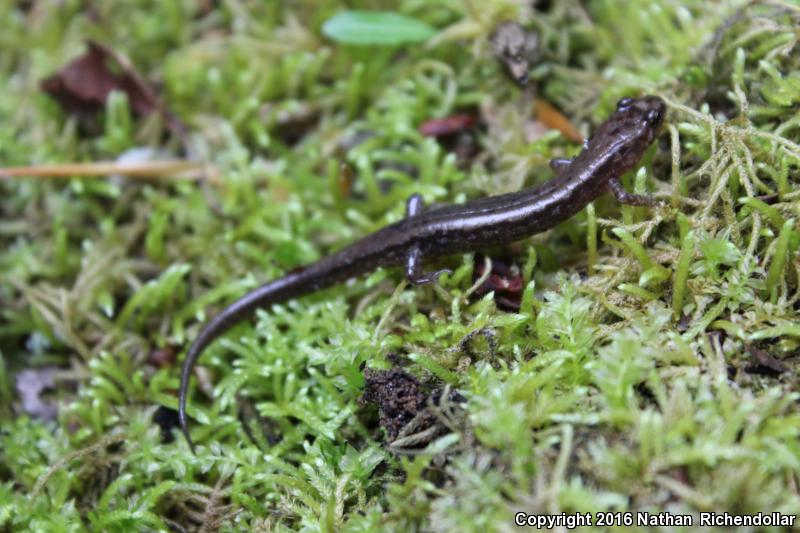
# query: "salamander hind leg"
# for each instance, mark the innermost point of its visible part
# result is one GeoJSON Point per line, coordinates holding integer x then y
{"type": "Point", "coordinates": [625, 197]}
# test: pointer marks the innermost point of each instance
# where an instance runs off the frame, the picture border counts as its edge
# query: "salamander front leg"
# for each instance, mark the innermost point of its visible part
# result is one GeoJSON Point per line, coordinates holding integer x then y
{"type": "Point", "coordinates": [559, 164]}
{"type": "Point", "coordinates": [625, 197]}
{"type": "Point", "coordinates": [414, 272]}
{"type": "Point", "coordinates": [414, 206]}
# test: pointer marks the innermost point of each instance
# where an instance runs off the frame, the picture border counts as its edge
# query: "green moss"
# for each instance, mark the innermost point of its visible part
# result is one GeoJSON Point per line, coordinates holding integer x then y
{"type": "Point", "coordinates": [627, 389]}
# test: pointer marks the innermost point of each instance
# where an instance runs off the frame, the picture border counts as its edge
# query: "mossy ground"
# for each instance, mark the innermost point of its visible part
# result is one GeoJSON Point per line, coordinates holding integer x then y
{"type": "Point", "coordinates": [624, 382]}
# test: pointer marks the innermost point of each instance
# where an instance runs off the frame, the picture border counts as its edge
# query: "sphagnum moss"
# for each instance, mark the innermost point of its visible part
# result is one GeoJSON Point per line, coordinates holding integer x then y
{"type": "Point", "coordinates": [630, 389]}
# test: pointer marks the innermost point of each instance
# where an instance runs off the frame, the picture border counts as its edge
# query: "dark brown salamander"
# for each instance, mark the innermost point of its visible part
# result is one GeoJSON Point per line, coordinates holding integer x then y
{"type": "Point", "coordinates": [616, 147]}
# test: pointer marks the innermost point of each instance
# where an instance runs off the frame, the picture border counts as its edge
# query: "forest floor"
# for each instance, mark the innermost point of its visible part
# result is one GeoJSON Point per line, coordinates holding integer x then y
{"type": "Point", "coordinates": [631, 359]}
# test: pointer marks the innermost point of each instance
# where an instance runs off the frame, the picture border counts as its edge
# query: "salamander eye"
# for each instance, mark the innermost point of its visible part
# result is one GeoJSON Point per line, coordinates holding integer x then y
{"type": "Point", "coordinates": [654, 116]}
{"type": "Point", "coordinates": [624, 103]}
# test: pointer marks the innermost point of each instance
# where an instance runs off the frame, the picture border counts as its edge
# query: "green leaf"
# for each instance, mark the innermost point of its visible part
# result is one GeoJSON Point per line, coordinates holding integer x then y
{"type": "Point", "coordinates": [375, 27]}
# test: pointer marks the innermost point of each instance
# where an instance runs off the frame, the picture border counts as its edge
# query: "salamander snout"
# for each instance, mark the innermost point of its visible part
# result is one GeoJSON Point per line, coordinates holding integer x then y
{"type": "Point", "coordinates": [646, 111]}
{"type": "Point", "coordinates": [654, 116]}
{"type": "Point", "coordinates": [631, 128]}
{"type": "Point", "coordinates": [653, 108]}
{"type": "Point", "coordinates": [642, 116]}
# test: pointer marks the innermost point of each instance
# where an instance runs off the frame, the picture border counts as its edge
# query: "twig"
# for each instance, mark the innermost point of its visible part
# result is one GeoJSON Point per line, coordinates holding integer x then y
{"type": "Point", "coordinates": [177, 169]}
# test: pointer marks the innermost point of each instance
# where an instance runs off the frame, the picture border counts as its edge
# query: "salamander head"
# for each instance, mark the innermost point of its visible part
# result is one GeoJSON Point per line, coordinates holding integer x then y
{"type": "Point", "coordinates": [637, 119]}
{"type": "Point", "coordinates": [629, 131]}
{"type": "Point", "coordinates": [643, 114]}
{"type": "Point", "coordinates": [621, 141]}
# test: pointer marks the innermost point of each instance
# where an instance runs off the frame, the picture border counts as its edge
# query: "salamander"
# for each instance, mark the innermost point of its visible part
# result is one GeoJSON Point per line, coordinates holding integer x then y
{"type": "Point", "coordinates": [615, 148]}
